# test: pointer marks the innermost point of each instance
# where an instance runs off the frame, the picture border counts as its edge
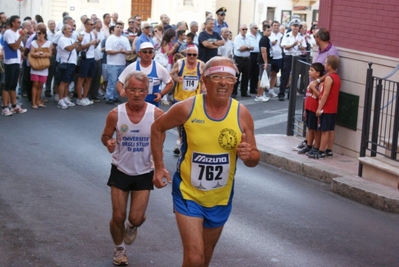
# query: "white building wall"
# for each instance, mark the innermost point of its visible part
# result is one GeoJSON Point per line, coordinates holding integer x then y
{"type": "Point", "coordinates": [22, 9]}
{"type": "Point", "coordinates": [238, 11]}
{"type": "Point", "coordinates": [178, 12]}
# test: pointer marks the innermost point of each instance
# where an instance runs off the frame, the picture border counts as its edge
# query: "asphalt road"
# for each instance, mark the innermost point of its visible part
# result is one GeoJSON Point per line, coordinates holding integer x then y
{"type": "Point", "coordinates": [55, 205]}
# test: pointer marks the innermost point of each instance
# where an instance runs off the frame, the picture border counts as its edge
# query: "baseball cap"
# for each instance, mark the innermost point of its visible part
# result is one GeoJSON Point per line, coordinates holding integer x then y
{"type": "Point", "coordinates": [146, 45]}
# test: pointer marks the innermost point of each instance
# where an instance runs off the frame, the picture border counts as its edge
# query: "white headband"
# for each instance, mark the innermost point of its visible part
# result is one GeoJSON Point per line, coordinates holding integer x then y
{"type": "Point", "coordinates": [215, 69]}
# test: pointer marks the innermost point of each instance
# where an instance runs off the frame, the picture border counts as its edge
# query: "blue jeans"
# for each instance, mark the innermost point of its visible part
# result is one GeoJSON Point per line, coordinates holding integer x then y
{"type": "Point", "coordinates": [113, 73]}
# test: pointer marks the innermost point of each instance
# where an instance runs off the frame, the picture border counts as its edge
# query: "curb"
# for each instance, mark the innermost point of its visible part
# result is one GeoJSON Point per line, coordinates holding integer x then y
{"type": "Point", "coordinates": [342, 182]}
{"type": "Point", "coordinates": [366, 192]}
{"type": "Point", "coordinates": [301, 166]}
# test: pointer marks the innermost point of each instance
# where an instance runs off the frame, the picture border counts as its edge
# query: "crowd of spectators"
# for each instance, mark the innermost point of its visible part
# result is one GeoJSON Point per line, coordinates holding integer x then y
{"type": "Point", "coordinates": [87, 56]}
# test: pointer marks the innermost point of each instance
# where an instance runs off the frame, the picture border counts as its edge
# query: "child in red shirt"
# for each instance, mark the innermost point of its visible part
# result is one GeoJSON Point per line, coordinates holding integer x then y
{"type": "Point", "coordinates": [328, 107]}
{"type": "Point", "coordinates": [316, 70]}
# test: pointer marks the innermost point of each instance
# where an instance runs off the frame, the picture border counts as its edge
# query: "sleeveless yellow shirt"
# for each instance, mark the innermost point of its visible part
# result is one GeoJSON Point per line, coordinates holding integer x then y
{"type": "Point", "coordinates": [207, 163]}
{"type": "Point", "coordinates": [191, 84]}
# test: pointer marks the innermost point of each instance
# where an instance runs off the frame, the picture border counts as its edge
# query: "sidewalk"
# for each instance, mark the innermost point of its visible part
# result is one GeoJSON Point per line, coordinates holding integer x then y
{"type": "Point", "coordinates": [340, 171]}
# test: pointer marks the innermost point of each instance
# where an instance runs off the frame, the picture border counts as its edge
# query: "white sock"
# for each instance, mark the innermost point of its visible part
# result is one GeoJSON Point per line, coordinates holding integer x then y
{"type": "Point", "coordinates": [120, 246]}
{"type": "Point", "coordinates": [129, 224]}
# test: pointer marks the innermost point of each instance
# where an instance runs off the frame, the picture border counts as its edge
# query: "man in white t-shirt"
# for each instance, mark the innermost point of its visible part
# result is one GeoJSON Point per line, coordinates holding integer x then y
{"type": "Point", "coordinates": [95, 82]}
{"type": "Point", "coordinates": [12, 60]}
{"type": "Point", "coordinates": [67, 56]}
{"type": "Point", "coordinates": [155, 72]}
{"type": "Point", "coordinates": [87, 66]}
{"type": "Point", "coordinates": [74, 36]}
{"type": "Point", "coordinates": [117, 47]}
{"type": "Point", "coordinates": [277, 61]}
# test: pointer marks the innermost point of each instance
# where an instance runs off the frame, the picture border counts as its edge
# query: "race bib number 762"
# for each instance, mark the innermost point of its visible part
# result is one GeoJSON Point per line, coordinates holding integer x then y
{"type": "Point", "coordinates": [209, 171]}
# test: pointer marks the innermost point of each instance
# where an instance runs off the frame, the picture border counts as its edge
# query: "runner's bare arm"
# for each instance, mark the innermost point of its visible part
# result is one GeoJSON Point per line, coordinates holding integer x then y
{"type": "Point", "coordinates": [109, 130]}
{"type": "Point", "coordinates": [175, 116]}
{"type": "Point", "coordinates": [247, 150]}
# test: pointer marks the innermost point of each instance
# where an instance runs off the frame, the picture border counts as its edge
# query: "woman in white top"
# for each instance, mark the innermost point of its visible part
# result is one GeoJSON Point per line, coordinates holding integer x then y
{"type": "Point", "coordinates": [39, 77]}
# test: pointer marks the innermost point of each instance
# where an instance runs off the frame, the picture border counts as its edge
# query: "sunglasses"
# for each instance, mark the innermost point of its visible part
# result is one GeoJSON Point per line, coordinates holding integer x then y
{"type": "Point", "coordinates": [91, 24]}
{"type": "Point", "coordinates": [147, 27]}
{"type": "Point", "coordinates": [131, 22]}
{"type": "Point", "coordinates": [147, 51]}
{"type": "Point", "coordinates": [244, 29]}
{"type": "Point", "coordinates": [39, 33]}
{"type": "Point", "coordinates": [191, 55]}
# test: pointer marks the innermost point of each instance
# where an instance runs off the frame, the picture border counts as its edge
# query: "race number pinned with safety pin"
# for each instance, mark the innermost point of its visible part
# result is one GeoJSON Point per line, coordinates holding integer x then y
{"type": "Point", "coordinates": [154, 81]}
{"type": "Point", "coordinates": [190, 83]}
{"type": "Point", "coordinates": [209, 171]}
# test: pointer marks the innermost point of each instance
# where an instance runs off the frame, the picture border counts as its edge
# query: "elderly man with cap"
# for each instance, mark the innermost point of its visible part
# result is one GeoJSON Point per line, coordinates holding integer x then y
{"type": "Point", "coordinates": [155, 72]}
{"type": "Point", "coordinates": [293, 43]}
{"type": "Point", "coordinates": [219, 22]}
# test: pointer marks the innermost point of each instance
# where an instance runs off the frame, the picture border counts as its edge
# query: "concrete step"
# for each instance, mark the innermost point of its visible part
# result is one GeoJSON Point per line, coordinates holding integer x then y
{"type": "Point", "coordinates": [340, 171]}
{"type": "Point", "coordinates": [367, 192]}
{"type": "Point", "coordinates": [381, 170]}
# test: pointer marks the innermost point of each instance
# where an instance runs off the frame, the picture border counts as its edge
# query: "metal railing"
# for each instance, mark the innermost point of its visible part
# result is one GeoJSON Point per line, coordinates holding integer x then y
{"type": "Point", "coordinates": [380, 117]}
{"type": "Point", "coordinates": [299, 82]}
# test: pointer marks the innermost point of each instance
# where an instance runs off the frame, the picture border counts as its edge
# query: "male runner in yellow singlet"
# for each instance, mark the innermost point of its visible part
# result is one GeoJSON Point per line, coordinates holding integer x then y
{"type": "Point", "coordinates": [186, 73]}
{"type": "Point", "coordinates": [216, 130]}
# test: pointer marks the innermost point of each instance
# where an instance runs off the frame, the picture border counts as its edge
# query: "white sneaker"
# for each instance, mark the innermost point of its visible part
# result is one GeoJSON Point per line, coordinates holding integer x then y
{"type": "Point", "coordinates": [56, 98]}
{"type": "Point", "coordinates": [88, 101]}
{"type": "Point", "coordinates": [272, 93]}
{"type": "Point", "coordinates": [62, 104]}
{"type": "Point", "coordinates": [18, 109]}
{"type": "Point", "coordinates": [68, 102]}
{"type": "Point", "coordinates": [81, 102]}
{"type": "Point", "coordinates": [265, 98]}
{"type": "Point", "coordinates": [120, 257]}
{"type": "Point", "coordinates": [176, 149]}
{"type": "Point", "coordinates": [6, 112]}
{"type": "Point", "coordinates": [262, 98]}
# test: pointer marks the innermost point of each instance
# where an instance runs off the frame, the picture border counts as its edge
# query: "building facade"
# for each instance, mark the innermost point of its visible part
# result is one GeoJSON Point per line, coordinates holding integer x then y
{"type": "Point", "coordinates": [238, 11]}
{"type": "Point", "coordinates": [363, 32]}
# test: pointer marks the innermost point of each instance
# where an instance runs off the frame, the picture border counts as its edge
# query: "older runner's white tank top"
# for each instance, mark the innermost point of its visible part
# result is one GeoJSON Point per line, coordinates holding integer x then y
{"type": "Point", "coordinates": [132, 154]}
